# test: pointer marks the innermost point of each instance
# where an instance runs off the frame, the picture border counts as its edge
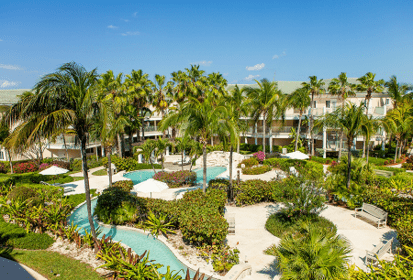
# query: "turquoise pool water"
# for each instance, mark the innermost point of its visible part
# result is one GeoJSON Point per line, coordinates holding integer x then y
{"type": "Point", "coordinates": [140, 242]}
{"type": "Point", "coordinates": [142, 175]}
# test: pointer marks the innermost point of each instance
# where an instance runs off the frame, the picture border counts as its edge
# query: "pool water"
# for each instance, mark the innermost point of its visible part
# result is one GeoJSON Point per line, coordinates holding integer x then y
{"type": "Point", "coordinates": [139, 242]}
{"type": "Point", "coordinates": [143, 175]}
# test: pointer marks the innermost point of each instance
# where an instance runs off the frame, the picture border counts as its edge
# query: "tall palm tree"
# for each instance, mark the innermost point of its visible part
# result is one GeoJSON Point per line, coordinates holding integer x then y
{"type": "Point", "coordinates": [264, 102]}
{"type": "Point", "coordinates": [146, 150]}
{"type": "Point", "coordinates": [350, 119]}
{"type": "Point", "coordinates": [396, 90]}
{"type": "Point", "coordinates": [62, 99]}
{"type": "Point", "coordinates": [299, 99]}
{"type": "Point", "coordinates": [368, 129]}
{"type": "Point", "coordinates": [161, 145]}
{"type": "Point", "coordinates": [201, 120]}
{"type": "Point", "coordinates": [342, 88]}
{"type": "Point", "coordinates": [314, 87]}
{"type": "Point", "coordinates": [158, 98]}
{"type": "Point", "coordinates": [181, 144]}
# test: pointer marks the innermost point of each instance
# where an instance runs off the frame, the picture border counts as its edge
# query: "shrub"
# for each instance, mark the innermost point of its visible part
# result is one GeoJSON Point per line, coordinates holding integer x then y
{"type": "Point", "coordinates": [257, 170]}
{"type": "Point", "coordinates": [44, 166]}
{"type": "Point", "coordinates": [116, 206]}
{"type": "Point", "coordinates": [176, 179]}
{"type": "Point", "coordinates": [3, 168]}
{"type": "Point", "coordinates": [321, 160]}
{"type": "Point", "coordinates": [310, 170]}
{"type": "Point", "coordinates": [25, 167]}
{"type": "Point", "coordinates": [252, 191]}
{"type": "Point", "coordinates": [327, 260]}
{"type": "Point", "coordinates": [260, 156]}
{"type": "Point", "coordinates": [76, 199]}
{"type": "Point", "coordinates": [128, 164]}
{"type": "Point", "coordinates": [62, 164]}
{"type": "Point", "coordinates": [219, 184]}
{"type": "Point", "coordinates": [125, 185]}
{"type": "Point", "coordinates": [161, 207]}
{"type": "Point", "coordinates": [249, 162]}
{"type": "Point", "coordinates": [21, 193]}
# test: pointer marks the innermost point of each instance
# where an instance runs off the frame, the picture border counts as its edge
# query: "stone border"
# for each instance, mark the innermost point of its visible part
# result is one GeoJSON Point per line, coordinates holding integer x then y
{"type": "Point", "coordinates": [160, 238]}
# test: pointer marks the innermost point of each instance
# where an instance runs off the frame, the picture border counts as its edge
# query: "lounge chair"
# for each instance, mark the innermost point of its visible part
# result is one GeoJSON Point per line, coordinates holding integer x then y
{"type": "Point", "coordinates": [187, 160]}
{"type": "Point", "coordinates": [66, 189]}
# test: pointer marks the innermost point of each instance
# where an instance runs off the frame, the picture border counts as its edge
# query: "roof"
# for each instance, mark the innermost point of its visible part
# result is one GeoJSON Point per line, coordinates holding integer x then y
{"type": "Point", "coordinates": [11, 96]}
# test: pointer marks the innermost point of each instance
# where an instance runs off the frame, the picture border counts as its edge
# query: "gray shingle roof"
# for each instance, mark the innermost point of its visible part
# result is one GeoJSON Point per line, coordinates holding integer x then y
{"type": "Point", "coordinates": [10, 96]}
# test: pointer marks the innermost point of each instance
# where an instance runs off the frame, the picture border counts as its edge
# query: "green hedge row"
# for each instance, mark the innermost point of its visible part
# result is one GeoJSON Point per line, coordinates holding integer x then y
{"type": "Point", "coordinates": [308, 169]}
{"type": "Point", "coordinates": [128, 164]}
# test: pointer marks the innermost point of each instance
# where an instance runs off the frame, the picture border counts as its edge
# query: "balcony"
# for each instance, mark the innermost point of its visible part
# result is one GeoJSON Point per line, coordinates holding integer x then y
{"type": "Point", "coordinates": [72, 143]}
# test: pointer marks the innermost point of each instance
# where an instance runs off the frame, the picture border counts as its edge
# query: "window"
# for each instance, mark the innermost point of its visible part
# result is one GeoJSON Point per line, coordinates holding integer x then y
{"type": "Point", "coordinates": [387, 101]}
{"type": "Point", "coordinates": [328, 104]}
{"type": "Point", "coordinates": [1, 155]}
{"type": "Point", "coordinates": [315, 104]}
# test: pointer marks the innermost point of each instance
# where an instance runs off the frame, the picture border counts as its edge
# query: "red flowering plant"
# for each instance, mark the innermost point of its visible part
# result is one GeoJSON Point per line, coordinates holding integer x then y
{"type": "Point", "coordinates": [260, 156]}
{"type": "Point", "coordinates": [44, 166]}
{"type": "Point", "coordinates": [25, 167]}
{"type": "Point", "coordinates": [176, 179]}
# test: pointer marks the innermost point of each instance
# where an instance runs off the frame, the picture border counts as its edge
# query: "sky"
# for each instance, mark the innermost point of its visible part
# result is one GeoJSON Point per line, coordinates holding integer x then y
{"type": "Point", "coordinates": [243, 40]}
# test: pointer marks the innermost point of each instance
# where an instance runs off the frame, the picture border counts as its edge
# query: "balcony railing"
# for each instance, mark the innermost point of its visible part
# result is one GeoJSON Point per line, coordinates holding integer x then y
{"type": "Point", "coordinates": [150, 128]}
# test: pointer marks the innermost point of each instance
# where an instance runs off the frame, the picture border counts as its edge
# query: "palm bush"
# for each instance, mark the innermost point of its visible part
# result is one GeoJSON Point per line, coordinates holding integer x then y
{"type": "Point", "coordinates": [311, 254]}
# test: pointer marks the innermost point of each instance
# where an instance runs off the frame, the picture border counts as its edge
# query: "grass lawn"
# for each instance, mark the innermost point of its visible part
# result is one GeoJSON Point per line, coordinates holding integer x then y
{"type": "Point", "coordinates": [45, 262]}
{"type": "Point", "coordinates": [100, 172]}
{"type": "Point", "coordinates": [77, 178]}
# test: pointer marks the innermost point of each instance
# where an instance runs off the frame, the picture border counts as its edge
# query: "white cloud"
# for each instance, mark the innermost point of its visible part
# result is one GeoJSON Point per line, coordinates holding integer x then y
{"type": "Point", "coordinates": [5, 84]}
{"type": "Point", "coordinates": [10, 67]}
{"type": "Point", "coordinates": [112, 26]}
{"type": "Point", "coordinates": [125, 20]}
{"type": "Point", "coordinates": [203, 63]}
{"type": "Point", "coordinates": [278, 56]}
{"type": "Point", "coordinates": [131, 33]}
{"type": "Point", "coordinates": [135, 13]}
{"type": "Point", "coordinates": [251, 77]}
{"type": "Point", "coordinates": [255, 67]}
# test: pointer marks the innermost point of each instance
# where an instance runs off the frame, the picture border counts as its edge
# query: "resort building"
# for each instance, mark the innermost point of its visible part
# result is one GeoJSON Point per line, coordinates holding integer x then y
{"type": "Point", "coordinates": [278, 134]}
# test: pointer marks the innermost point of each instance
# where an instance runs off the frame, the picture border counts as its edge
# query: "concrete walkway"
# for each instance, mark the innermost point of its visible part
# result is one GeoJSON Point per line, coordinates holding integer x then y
{"type": "Point", "coordinates": [13, 270]}
{"type": "Point", "coordinates": [251, 237]}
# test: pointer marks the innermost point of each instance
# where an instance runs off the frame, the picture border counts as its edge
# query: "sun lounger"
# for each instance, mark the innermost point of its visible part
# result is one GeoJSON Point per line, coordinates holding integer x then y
{"type": "Point", "coordinates": [378, 252]}
{"type": "Point", "coordinates": [66, 189]}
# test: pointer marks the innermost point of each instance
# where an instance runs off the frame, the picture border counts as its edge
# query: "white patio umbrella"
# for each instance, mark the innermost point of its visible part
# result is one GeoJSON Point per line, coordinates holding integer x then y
{"type": "Point", "coordinates": [297, 155]}
{"type": "Point", "coordinates": [54, 170]}
{"type": "Point", "coordinates": [150, 185]}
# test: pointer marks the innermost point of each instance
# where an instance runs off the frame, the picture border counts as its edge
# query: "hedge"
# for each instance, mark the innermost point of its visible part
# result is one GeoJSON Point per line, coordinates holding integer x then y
{"type": "Point", "coordinates": [126, 185]}
{"type": "Point", "coordinates": [310, 170]}
{"type": "Point", "coordinates": [176, 179]}
{"type": "Point", "coordinates": [257, 170]}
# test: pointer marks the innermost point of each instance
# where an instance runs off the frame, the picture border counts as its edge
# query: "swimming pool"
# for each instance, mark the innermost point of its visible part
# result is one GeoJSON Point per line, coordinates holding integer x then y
{"type": "Point", "coordinates": [143, 175]}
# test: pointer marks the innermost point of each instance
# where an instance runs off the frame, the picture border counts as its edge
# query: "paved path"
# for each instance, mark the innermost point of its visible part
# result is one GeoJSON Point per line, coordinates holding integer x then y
{"type": "Point", "coordinates": [251, 237]}
{"type": "Point", "coordinates": [16, 271]}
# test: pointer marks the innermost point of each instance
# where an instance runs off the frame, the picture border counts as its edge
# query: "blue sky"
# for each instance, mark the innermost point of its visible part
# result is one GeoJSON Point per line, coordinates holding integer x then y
{"type": "Point", "coordinates": [281, 40]}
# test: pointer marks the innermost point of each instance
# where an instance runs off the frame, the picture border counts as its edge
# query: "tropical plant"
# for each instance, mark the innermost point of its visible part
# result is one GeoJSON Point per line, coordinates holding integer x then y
{"type": "Point", "coordinates": [368, 129]}
{"type": "Point", "coordinates": [265, 102]}
{"type": "Point", "coordinates": [300, 100]}
{"type": "Point", "coordinates": [342, 88]}
{"type": "Point", "coordinates": [161, 145]}
{"type": "Point", "coordinates": [314, 87]}
{"type": "Point", "coordinates": [158, 225]}
{"type": "Point", "coordinates": [397, 91]}
{"type": "Point", "coordinates": [181, 144]}
{"type": "Point", "coordinates": [312, 253]}
{"type": "Point", "coordinates": [147, 149]}
{"type": "Point", "coordinates": [62, 99]}
{"type": "Point", "coordinates": [159, 97]}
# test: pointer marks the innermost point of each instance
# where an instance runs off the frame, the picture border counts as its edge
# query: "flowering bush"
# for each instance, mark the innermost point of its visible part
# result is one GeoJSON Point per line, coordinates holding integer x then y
{"type": "Point", "coordinates": [176, 179]}
{"type": "Point", "coordinates": [3, 168]}
{"type": "Point", "coordinates": [260, 156]}
{"type": "Point", "coordinates": [126, 185]}
{"type": "Point", "coordinates": [25, 167]}
{"type": "Point", "coordinates": [257, 170]}
{"type": "Point", "coordinates": [43, 166]}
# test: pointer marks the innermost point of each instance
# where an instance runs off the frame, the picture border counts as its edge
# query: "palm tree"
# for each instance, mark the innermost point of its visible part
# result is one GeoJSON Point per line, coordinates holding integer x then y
{"type": "Point", "coordinates": [314, 87]}
{"type": "Point", "coordinates": [370, 86]}
{"type": "Point", "coordinates": [350, 119]}
{"type": "Point", "coordinates": [62, 99]}
{"type": "Point", "coordinates": [181, 144]}
{"type": "Point", "coordinates": [195, 151]}
{"type": "Point", "coordinates": [146, 150]}
{"type": "Point", "coordinates": [201, 120]}
{"type": "Point", "coordinates": [399, 121]}
{"type": "Point", "coordinates": [396, 90]}
{"type": "Point", "coordinates": [161, 145]}
{"type": "Point", "coordinates": [313, 254]}
{"type": "Point", "coordinates": [299, 99]}
{"type": "Point", "coordinates": [368, 129]}
{"type": "Point", "coordinates": [264, 101]}
{"type": "Point", "coordinates": [343, 89]}
{"type": "Point", "coordinates": [158, 98]}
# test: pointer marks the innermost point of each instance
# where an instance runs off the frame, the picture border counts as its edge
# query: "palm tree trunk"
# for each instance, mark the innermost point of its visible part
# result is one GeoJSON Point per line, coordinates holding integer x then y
{"type": "Point", "coordinates": [230, 189]}
{"type": "Point", "coordinates": [86, 180]}
{"type": "Point", "coordinates": [138, 134]}
{"type": "Point", "coordinates": [364, 147]}
{"type": "Point", "coordinates": [349, 141]}
{"type": "Point", "coordinates": [298, 131]}
{"type": "Point", "coordinates": [130, 140]}
{"type": "Point", "coordinates": [395, 151]}
{"type": "Point", "coordinates": [400, 149]}
{"type": "Point", "coordinates": [153, 167]}
{"type": "Point", "coordinates": [238, 145]}
{"type": "Point", "coordinates": [109, 164]}
{"type": "Point", "coordinates": [11, 164]}
{"type": "Point", "coordinates": [205, 165]}
{"type": "Point", "coordinates": [119, 146]}
{"type": "Point", "coordinates": [341, 143]}
{"type": "Point", "coordinates": [311, 124]}
{"type": "Point", "coordinates": [263, 134]}
{"type": "Point", "coordinates": [64, 143]}
{"type": "Point", "coordinates": [367, 153]}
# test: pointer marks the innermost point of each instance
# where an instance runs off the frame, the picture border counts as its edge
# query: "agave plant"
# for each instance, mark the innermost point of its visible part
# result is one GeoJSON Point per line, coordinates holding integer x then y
{"type": "Point", "coordinates": [158, 225]}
